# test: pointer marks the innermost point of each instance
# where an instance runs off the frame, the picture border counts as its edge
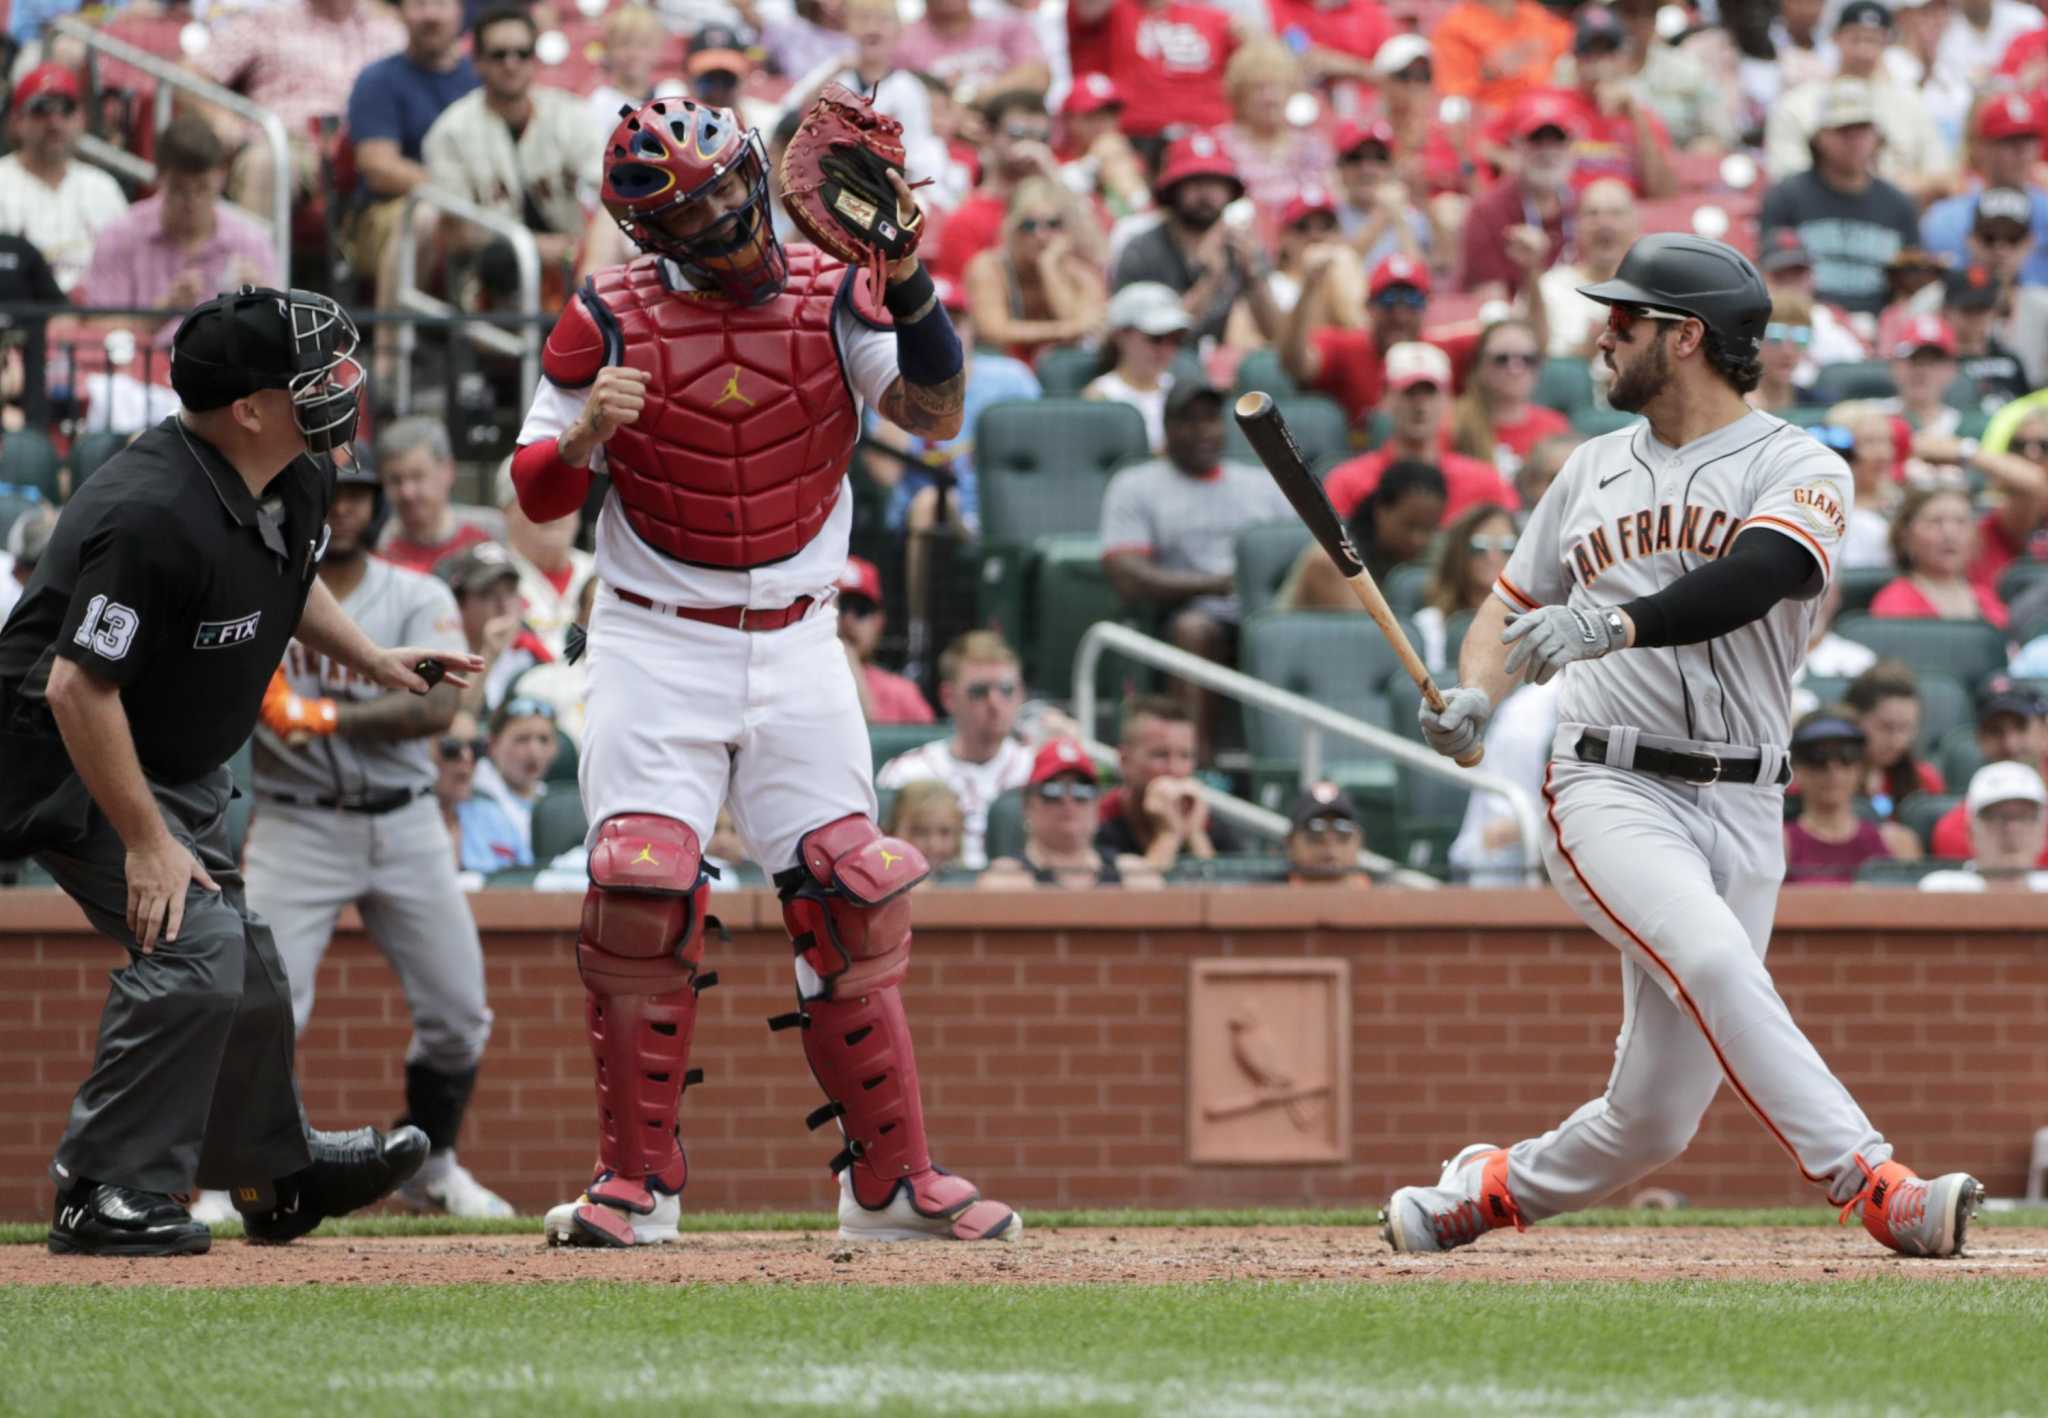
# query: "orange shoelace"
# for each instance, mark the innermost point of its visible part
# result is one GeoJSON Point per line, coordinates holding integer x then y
{"type": "Point", "coordinates": [1904, 1208]}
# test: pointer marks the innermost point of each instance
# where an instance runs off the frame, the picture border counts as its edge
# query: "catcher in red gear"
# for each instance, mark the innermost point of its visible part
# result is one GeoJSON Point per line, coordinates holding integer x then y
{"type": "Point", "coordinates": [718, 381]}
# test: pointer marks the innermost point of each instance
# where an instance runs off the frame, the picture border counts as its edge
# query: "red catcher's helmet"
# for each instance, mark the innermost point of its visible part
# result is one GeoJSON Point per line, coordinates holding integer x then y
{"type": "Point", "coordinates": [672, 152]}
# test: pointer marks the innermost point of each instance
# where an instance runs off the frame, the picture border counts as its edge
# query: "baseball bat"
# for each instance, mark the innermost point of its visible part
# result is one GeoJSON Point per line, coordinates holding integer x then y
{"type": "Point", "coordinates": [1270, 438]}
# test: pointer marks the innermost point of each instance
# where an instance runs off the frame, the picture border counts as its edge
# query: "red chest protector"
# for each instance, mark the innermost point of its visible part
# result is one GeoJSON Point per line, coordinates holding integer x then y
{"type": "Point", "coordinates": [737, 457]}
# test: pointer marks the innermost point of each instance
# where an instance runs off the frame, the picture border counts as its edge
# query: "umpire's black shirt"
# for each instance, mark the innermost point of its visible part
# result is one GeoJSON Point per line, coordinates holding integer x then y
{"type": "Point", "coordinates": [165, 576]}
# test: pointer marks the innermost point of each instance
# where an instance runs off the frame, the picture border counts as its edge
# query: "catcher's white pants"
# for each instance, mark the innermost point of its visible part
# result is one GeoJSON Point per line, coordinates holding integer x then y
{"type": "Point", "coordinates": [1684, 882]}
{"type": "Point", "coordinates": [681, 715]}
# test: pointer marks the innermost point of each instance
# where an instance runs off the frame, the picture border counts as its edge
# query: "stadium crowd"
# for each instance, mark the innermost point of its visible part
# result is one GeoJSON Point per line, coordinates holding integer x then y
{"type": "Point", "coordinates": [1377, 212]}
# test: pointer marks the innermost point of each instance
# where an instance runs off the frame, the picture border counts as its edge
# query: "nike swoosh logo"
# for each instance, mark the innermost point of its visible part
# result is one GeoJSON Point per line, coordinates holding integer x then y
{"type": "Point", "coordinates": [1622, 474]}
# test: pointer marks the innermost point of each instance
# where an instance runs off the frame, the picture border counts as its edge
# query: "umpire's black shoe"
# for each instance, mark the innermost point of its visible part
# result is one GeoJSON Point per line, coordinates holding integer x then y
{"type": "Point", "coordinates": [101, 1219]}
{"type": "Point", "coordinates": [349, 1170]}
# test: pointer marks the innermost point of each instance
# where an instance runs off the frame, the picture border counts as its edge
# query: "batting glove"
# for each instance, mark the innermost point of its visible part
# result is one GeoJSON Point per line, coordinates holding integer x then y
{"type": "Point", "coordinates": [1547, 640]}
{"type": "Point", "coordinates": [293, 718]}
{"type": "Point", "coordinates": [1456, 729]}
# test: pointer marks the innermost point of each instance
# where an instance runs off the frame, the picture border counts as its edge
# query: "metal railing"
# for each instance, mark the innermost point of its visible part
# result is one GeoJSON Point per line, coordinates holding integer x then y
{"type": "Point", "coordinates": [522, 342]}
{"type": "Point", "coordinates": [1316, 720]}
{"type": "Point", "coordinates": [169, 76]}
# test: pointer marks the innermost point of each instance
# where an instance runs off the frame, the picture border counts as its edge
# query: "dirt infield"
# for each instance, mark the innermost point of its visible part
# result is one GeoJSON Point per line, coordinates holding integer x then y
{"type": "Point", "coordinates": [1138, 1256]}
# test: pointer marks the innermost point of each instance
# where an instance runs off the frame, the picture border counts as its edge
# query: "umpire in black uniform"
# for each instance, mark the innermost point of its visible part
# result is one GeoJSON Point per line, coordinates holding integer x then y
{"type": "Point", "coordinates": [130, 672]}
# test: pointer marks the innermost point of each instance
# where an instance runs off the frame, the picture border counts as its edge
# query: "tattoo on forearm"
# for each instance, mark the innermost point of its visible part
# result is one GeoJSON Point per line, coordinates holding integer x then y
{"type": "Point", "coordinates": [398, 716]}
{"type": "Point", "coordinates": [925, 408]}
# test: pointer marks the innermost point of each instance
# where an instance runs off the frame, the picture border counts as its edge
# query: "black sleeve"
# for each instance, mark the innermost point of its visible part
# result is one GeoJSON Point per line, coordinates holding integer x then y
{"type": "Point", "coordinates": [1762, 568]}
{"type": "Point", "coordinates": [119, 599]}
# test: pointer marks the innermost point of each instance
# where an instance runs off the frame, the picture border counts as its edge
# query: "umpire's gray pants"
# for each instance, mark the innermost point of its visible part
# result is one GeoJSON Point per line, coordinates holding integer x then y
{"type": "Point", "coordinates": [192, 1080]}
{"type": "Point", "coordinates": [305, 863]}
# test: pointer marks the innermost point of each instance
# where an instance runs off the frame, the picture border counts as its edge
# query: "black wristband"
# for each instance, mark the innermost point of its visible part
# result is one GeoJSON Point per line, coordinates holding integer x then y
{"type": "Point", "coordinates": [912, 298]}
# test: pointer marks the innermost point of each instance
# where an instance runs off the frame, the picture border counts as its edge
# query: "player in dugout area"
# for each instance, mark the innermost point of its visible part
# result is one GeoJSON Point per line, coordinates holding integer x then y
{"type": "Point", "coordinates": [1671, 575]}
{"type": "Point", "coordinates": [131, 670]}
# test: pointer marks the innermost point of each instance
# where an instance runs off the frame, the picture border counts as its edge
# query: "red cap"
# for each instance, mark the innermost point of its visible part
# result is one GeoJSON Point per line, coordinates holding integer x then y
{"type": "Point", "coordinates": [1197, 155]}
{"type": "Point", "coordinates": [1397, 270]}
{"type": "Point", "coordinates": [861, 579]}
{"type": "Point", "coordinates": [46, 79]}
{"type": "Point", "coordinates": [1924, 332]}
{"type": "Point", "coordinates": [1062, 756]}
{"type": "Point", "coordinates": [1306, 203]}
{"type": "Point", "coordinates": [1538, 111]}
{"type": "Point", "coordinates": [1352, 136]}
{"type": "Point", "coordinates": [1091, 93]}
{"type": "Point", "coordinates": [2008, 116]}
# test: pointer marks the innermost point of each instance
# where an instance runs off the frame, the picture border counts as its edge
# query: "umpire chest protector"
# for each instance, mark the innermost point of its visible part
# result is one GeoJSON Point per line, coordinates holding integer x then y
{"type": "Point", "coordinates": [737, 458]}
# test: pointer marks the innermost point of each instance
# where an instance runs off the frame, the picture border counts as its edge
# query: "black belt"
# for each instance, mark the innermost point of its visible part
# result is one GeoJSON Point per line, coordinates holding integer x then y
{"type": "Point", "coordinates": [1702, 770]}
{"type": "Point", "coordinates": [369, 807]}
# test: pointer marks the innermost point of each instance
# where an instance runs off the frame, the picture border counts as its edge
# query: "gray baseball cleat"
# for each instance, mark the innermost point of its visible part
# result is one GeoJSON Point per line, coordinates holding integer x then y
{"type": "Point", "coordinates": [1913, 1216]}
{"type": "Point", "coordinates": [1468, 1200]}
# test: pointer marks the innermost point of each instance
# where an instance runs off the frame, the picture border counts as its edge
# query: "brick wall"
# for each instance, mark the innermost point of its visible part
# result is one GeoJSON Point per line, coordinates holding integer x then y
{"type": "Point", "coordinates": [1052, 1040]}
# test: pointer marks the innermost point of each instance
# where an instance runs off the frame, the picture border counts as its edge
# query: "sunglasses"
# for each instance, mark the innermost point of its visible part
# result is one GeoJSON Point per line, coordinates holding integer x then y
{"type": "Point", "coordinates": [508, 56]}
{"type": "Point", "coordinates": [1416, 74]}
{"type": "Point", "coordinates": [2018, 238]}
{"type": "Point", "coordinates": [1328, 827]}
{"type": "Point", "coordinates": [979, 692]}
{"type": "Point", "coordinates": [1173, 338]}
{"type": "Point", "coordinates": [1839, 756]}
{"type": "Point", "coordinates": [1622, 318]}
{"type": "Point", "coordinates": [524, 708]}
{"type": "Point", "coordinates": [1503, 359]}
{"type": "Point", "coordinates": [1365, 152]}
{"type": "Point", "coordinates": [1317, 226]}
{"type": "Point", "coordinates": [1027, 225]}
{"type": "Point", "coordinates": [50, 104]}
{"type": "Point", "coordinates": [1800, 335]}
{"type": "Point", "coordinates": [2030, 447]}
{"type": "Point", "coordinates": [453, 748]}
{"type": "Point", "coordinates": [1067, 792]}
{"type": "Point", "coordinates": [1401, 296]}
{"type": "Point", "coordinates": [1028, 135]}
{"type": "Point", "coordinates": [1505, 546]}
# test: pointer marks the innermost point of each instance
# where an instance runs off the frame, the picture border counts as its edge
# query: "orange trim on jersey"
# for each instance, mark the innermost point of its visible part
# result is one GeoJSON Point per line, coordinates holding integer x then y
{"type": "Point", "coordinates": [1557, 831]}
{"type": "Point", "coordinates": [1780, 524]}
{"type": "Point", "coordinates": [1516, 593]}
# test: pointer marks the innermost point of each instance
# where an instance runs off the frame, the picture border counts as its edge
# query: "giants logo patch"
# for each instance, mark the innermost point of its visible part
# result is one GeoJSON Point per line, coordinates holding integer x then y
{"type": "Point", "coordinates": [1820, 508]}
{"type": "Point", "coordinates": [219, 634]}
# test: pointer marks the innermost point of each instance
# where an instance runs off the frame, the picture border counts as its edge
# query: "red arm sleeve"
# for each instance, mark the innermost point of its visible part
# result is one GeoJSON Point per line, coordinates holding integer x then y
{"type": "Point", "coordinates": [548, 488]}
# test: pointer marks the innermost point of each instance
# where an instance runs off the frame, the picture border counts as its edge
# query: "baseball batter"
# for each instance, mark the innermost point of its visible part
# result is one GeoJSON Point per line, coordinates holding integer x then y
{"type": "Point", "coordinates": [345, 812]}
{"type": "Point", "coordinates": [1670, 574]}
{"type": "Point", "coordinates": [719, 380]}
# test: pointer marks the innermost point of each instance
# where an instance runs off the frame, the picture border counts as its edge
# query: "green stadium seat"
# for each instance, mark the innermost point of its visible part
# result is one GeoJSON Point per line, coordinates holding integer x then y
{"type": "Point", "coordinates": [1319, 427]}
{"type": "Point", "coordinates": [1965, 650]}
{"type": "Point", "coordinates": [558, 824]}
{"type": "Point", "coordinates": [1455, 626]}
{"type": "Point", "coordinates": [1336, 658]}
{"type": "Point", "coordinates": [1805, 415]}
{"type": "Point", "coordinates": [1262, 370]}
{"type": "Point", "coordinates": [1591, 423]}
{"type": "Point", "coordinates": [1886, 871]}
{"type": "Point", "coordinates": [1229, 869]}
{"type": "Point", "coordinates": [1065, 370]}
{"type": "Point", "coordinates": [1404, 586]}
{"type": "Point", "coordinates": [90, 450]}
{"type": "Point", "coordinates": [1005, 836]}
{"type": "Point", "coordinates": [1827, 689]}
{"type": "Point", "coordinates": [886, 741]}
{"type": "Point", "coordinates": [2020, 577]}
{"type": "Point", "coordinates": [512, 879]}
{"type": "Point", "coordinates": [1957, 756]}
{"type": "Point", "coordinates": [1858, 379]}
{"type": "Point", "coordinates": [1860, 585]}
{"type": "Point", "coordinates": [1266, 552]}
{"type": "Point", "coordinates": [1566, 384]}
{"type": "Point", "coordinates": [28, 459]}
{"type": "Point", "coordinates": [1430, 809]}
{"type": "Point", "coordinates": [1945, 705]}
{"type": "Point", "coordinates": [15, 503]}
{"type": "Point", "coordinates": [1070, 591]}
{"type": "Point", "coordinates": [563, 767]}
{"type": "Point", "coordinates": [1920, 811]}
{"type": "Point", "coordinates": [1045, 463]}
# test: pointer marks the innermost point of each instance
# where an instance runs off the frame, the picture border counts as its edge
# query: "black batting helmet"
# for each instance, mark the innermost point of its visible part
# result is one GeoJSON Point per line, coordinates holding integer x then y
{"type": "Point", "coordinates": [1708, 280]}
{"type": "Point", "coordinates": [356, 468]}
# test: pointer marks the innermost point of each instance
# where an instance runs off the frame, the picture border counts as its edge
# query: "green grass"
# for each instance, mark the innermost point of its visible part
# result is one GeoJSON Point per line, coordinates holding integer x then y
{"type": "Point", "coordinates": [21, 1233]}
{"type": "Point", "coordinates": [1854, 1349]}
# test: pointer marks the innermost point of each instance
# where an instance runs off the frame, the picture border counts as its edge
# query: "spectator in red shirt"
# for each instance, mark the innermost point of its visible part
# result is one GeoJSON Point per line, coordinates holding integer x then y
{"type": "Point", "coordinates": [1419, 401]}
{"type": "Point", "coordinates": [1618, 135]}
{"type": "Point", "coordinates": [885, 697]}
{"type": "Point", "coordinates": [1095, 156]}
{"type": "Point", "coordinates": [1166, 56]}
{"type": "Point", "coordinates": [1019, 146]}
{"type": "Point", "coordinates": [418, 470]}
{"type": "Point", "coordinates": [1933, 539]}
{"type": "Point", "coordinates": [2012, 727]}
{"type": "Point", "coordinates": [1393, 526]}
{"type": "Point", "coordinates": [1337, 39]}
{"type": "Point", "coordinates": [1347, 364]}
{"type": "Point", "coordinates": [1518, 229]}
{"type": "Point", "coordinates": [1497, 420]}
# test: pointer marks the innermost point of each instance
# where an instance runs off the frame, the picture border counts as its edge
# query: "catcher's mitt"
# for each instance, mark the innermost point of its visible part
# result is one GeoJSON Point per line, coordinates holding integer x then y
{"type": "Point", "coordinates": [835, 183]}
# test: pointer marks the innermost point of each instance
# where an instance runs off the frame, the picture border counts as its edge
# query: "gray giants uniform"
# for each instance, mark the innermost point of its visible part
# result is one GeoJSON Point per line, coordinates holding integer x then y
{"type": "Point", "coordinates": [378, 842]}
{"type": "Point", "coordinates": [1683, 880]}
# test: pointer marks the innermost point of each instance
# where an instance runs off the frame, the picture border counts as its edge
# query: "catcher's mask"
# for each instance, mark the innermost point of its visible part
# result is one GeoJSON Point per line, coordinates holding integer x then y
{"type": "Point", "coordinates": [257, 338]}
{"type": "Point", "coordinates": [672, 152]}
